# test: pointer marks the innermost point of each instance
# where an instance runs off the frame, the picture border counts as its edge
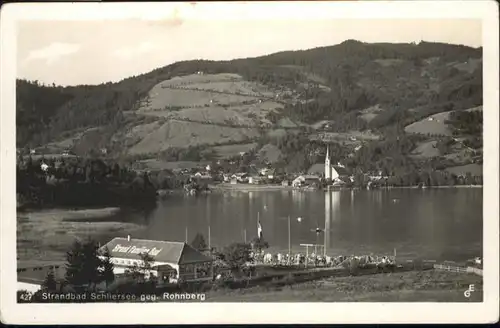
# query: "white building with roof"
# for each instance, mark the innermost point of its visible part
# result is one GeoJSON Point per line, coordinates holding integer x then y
{"type": "Point", "coordinates": [172, 261]}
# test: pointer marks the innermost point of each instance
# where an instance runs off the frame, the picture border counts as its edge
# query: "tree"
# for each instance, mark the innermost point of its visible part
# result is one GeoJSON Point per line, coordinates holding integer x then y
{"type": "Point", "coordinates": [199, 242]}
{"type": "Point", "coordinates": [259, 244]}
{"type": "Point", "coordinates": [49, 283]}
{"type": "Point", "coordinates": [107, 268]}
{"type": "Point", "coordinates": [83, 263]}
{"type": "Point", "coordinates": [143, 269]}
{"type": "Point", "coordinates": [236, 255]}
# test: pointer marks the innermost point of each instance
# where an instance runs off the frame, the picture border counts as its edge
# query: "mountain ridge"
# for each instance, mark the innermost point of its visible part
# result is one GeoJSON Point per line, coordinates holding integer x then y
{"type": "Point", "coordinates": [335, 84]}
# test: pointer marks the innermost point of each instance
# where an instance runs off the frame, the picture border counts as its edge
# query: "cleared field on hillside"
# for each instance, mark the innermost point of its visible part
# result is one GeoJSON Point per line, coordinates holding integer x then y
{"type": "Point", "coordinates": [47, 156]}
{"type": "Point", "coordinates": [168, 100]}
{"type": "Point", "coordinates": [234, 87]}
{"type": "Point", "coordinates": [74, 139]}
{"type": "Point", "coordinates": [155, 164]}
{"type": "Point", "coordinates": [227, 151]}
{"type": "Point", "coordinates": [434, 124]}
{"type": "Point", "coordinates": [473, 109]}
{"type": "Point", "coordinates": [198, 115]}
{"type": "Point", "coordinates": [426, 149]}
{"type": "Point", "coordinates": [215, 115]}
{"type": "Point", "coordinates": [469, 66]}
{"type": "Point", "coordinates": [474, 169]}
{"type": "Point", "coordinates": [286, 123]}
{"type": "Point", "coordinates": [204, 78]}
{"type": "Point", "coordinates": [183, 134]}
{"type": "Point", "coordinates": [160, 98]}
{"type": "Point", "coordinates": [389, 62]}
{"type": "Point", "coordinates": [242, 115]}
{"type": "Point", "coordinates": [351, 137]}
{"type": "Point", "coordinates": [138, 132]}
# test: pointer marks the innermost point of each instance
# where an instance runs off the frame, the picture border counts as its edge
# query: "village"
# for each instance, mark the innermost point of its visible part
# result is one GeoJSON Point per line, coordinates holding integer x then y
{"type": "Point", "coordinates": [226, 176]}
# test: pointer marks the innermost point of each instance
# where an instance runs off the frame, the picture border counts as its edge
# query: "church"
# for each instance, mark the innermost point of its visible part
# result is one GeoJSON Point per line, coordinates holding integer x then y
{"type": "Point", "coordinates": [328, 170]}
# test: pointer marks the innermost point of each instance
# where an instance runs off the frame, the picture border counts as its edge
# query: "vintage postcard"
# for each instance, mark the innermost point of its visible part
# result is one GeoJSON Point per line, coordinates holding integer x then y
{"type": "Point", "coordinates": [253, 162]}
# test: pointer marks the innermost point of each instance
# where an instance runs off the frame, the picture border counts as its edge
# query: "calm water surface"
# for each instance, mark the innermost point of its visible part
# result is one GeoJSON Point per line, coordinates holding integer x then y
{"type": "Point", "coordinates": [434, 224]}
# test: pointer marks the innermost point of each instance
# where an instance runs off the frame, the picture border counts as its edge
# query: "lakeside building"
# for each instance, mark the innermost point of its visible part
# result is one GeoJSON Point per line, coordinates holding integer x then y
{"type": "Point", "coordinates": [305, 180]}
{"type": "Point", "coordinates": [172, 261]}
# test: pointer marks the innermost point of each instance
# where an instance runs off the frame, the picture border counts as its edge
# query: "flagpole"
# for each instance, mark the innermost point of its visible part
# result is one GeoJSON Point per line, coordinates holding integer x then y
{"type": "Point", "coordinates": [289, 245]}
{"type": "Point", "coordinates": [258, 224]}
{"type": "Point", "coordinates": [209, 239]}
{"type": "Point", "coordinates": [245, 235]}
{"type": "Point", "coordinates": [186, 234]}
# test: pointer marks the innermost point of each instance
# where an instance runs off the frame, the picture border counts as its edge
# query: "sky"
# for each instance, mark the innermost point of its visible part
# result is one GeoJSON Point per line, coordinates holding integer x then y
{"type": "Point", "coordinates": [76, 51]}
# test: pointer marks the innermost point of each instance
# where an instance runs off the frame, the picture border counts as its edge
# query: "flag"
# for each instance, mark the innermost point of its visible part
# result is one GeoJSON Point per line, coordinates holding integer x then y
{"type": "Point", "coordinates": [259, 230]}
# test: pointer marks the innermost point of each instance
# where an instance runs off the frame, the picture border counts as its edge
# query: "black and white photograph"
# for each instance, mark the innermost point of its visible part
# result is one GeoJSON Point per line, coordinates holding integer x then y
{"type": "Point", "coordinates": [305, 160]}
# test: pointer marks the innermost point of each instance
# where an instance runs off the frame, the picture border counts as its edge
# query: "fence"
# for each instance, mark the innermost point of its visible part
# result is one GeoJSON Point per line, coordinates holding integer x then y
{"type": "Point", "coordinates": [458, 269]}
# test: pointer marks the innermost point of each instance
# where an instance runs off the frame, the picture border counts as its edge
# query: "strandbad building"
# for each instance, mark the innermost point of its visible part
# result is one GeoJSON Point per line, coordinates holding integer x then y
{"type": "Point", "coordinates": [171, 261]}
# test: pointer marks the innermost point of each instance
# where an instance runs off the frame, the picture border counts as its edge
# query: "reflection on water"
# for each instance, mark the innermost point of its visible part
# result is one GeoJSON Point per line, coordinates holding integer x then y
{"type": "Point", "coordinates": [434, 222]}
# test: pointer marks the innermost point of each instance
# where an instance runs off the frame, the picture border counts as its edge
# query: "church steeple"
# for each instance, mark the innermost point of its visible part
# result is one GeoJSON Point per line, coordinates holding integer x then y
{"type": "Point", "coordinates": [328, 167]}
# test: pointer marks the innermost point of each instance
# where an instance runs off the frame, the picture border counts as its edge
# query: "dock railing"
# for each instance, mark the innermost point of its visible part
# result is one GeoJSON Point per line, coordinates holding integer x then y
{"type": "Point", "coordinates": [458, 269]}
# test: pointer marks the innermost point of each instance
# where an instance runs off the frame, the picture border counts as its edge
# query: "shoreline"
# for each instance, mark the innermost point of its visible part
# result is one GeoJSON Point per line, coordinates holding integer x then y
{"type": "Point", "coordinates": [249, 187]}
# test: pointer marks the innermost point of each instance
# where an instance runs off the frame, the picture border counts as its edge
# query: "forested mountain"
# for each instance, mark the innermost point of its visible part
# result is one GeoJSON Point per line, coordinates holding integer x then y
{"type": "Point", "coordinates": [353, 86]}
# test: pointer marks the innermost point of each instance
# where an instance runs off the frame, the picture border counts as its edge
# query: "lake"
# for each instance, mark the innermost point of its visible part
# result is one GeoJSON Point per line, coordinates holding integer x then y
{"type": "Point", "coordinates": [441, 224]}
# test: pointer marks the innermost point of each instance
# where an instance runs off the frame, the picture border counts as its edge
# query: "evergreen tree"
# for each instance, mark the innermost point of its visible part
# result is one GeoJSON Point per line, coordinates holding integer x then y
{"type": "Point", "coordinates": [50, 283]}
{"type": "Point", "coordinates": [199, 242]}
{"type": "Point", "coordinates": [258, 244]}
{"type": "Point", "coordinates": [83, 264]}
{"type": "Point", "coordinates": [107, 268]}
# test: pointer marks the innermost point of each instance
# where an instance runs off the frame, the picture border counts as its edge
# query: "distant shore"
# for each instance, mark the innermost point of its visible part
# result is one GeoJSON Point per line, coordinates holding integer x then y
{"type": "Point", "coordinates": [248, 187]}
{"type": "Point", "coordinates": [251, 187]}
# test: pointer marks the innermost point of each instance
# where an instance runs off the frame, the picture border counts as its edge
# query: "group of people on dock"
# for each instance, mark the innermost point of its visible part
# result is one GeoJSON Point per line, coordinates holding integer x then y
{"type": "Point", "coordinates": [316, 260]}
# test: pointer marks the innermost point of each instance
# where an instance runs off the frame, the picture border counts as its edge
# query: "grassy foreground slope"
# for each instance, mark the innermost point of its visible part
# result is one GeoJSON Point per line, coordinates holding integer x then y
{"type": "Point", "coordinates": [426, 286]}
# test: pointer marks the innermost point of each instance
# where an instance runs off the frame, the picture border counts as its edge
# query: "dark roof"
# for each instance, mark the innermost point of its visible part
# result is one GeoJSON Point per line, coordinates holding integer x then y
{"type": "Point", "coordinates": [161, 251]}
{"type": "Point", "coordinates": [342, 171]}
{"type": "Point", "coordinates": [164, 268]}
{"type": "Point", "coordinates": [317, 168]}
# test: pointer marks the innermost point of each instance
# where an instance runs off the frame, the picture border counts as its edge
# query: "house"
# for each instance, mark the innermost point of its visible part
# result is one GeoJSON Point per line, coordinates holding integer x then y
{"type": "Point", "coordinates": [255, 180]}
{"type": "Point", "coordinates": [44, 167]}
{"type": "Point", "coordinates": [339, 172]}
{"type": "Point", "coordinates": [285, 183]}
{"type": "Point", "coordinates": [305, 180]}
{"type": "Point", "coordinates": [171, 261]}
{"type": "Point", "coordinates": [240, 177]}
{"type": "Point", "coordinates": [263, 171]}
